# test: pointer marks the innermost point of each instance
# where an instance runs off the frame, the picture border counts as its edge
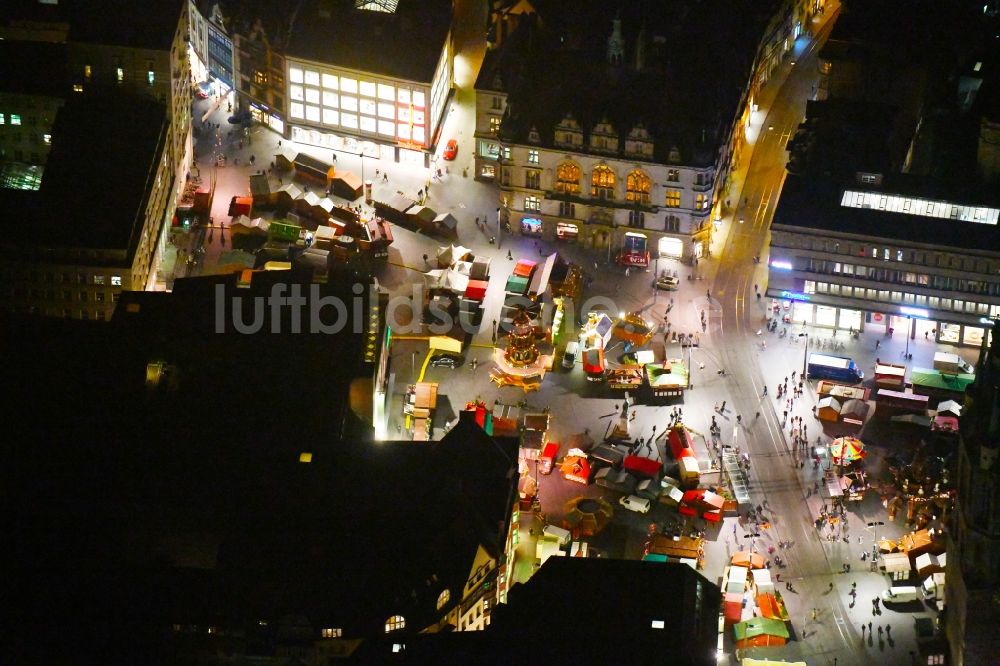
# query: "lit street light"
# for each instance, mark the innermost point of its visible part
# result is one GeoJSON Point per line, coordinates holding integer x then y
{"type": "Point", "coordinates": [875, 525]}
{"type": "Point", "coordinates": [805, 356]}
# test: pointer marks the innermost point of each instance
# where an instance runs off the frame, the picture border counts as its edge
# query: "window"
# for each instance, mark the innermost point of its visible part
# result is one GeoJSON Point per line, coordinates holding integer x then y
{"type": "Point", "coordinates": [119, 74]}
{"type": "Point", "coordinates": [329, 81]}
{"type": "Point", "coordinates": [494, 124]}
{"type": "Point", "coordinates": [637, 187]}
{"type": "Point", "coordinates": [116, 280]}
{"type": "Point", "coordinates": [567, 209]}
{"type": "Point", "coordinates": [532, 203]}
{"type": "Point", "coordinates": [899, 255]}
{"type": "Point", "coordinates": [506, 152]}
{"type": "Point", "coordinates": [332, 633]}
{"type": "Point", "coordinates": [568, 178]}
{"type": "Point", "coordinates": [150, 77]}
{"type": "Point", "coordinates": [99, 296]}
{"type": "Point", "coordinates": [395, 623]}
{"type": "Point", "coordinates": [3, 119]}
{"type": "Point", "coordinates": [701, 202]}
{"type": "Point", "coordinates": [87, 71]}
{"type": "Point", "coordinates": [602, 182]}
{"type": "Point", "coordinates": [496, 103]}
{"type": "Point", "coordinates": [348, 85]}
{"type": "Point", "coordinates": [295, 75]}
{"type": "Point", "coordinates": [532, 178]}
{"type": "Point", "coordinates": [673, 199]}
{"type": "Point", "coordinates": [15, 119]}
{"type": "Point", "coordinates": [443, 599]}
{"type": "Point", "coordinates": [532, 157]}
{"type": "Point", "coordinates": [297, 110]}
{"type": "Point", "coordinates": [99, 279]}
{"type": "Point", "coordinates": [672, 223]}
{"type": "Point", "coordinates": [673, 175]}
{"type": "Point", "coordinates": [312, 77]}
{"type": "Point", "coordinates": [367, 88]}
{"type": "Point", "coordinates": [636, 219]}
{"type": "Point", "coordinates": [83, 297]}
{"type": "Point", "coordinates": [47, 139]}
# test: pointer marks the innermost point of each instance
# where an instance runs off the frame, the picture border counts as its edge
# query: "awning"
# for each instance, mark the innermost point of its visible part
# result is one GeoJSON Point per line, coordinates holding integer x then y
{"type": "Point", "coordinates": [445, 344]}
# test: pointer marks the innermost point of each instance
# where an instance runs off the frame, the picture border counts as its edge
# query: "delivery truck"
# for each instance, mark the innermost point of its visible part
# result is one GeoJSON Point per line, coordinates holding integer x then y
{"type": "Point", "coordinates": [839, 368]}
{"type": "Point", "coordinates": [952, 364]}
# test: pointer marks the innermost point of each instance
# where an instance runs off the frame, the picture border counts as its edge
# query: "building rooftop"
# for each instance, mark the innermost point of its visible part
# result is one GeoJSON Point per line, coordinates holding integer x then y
{"type": "Point", "coordinates": [19, 68]}
{"type": "Point", "coordinates": [94, 191]}
{"type": "Point", "coordinates": [147, 25]}
{"type": "Point", "coordinates": [667, 81]}
{"type": "Point", "coordinates": [404, 44]}
{"type": "Point", "coordinates": [817, 203]}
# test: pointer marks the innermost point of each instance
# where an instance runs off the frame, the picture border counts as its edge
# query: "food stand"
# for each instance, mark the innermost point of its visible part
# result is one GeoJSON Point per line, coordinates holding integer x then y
{"type": "Point", "coordinates": [628, 378]}
{"type": "Point", "coordinates": [667, 379]}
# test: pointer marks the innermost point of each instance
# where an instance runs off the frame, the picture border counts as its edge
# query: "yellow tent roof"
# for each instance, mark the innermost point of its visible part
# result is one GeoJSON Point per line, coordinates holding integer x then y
{"type": "Point", "coordinates": [445, 344]}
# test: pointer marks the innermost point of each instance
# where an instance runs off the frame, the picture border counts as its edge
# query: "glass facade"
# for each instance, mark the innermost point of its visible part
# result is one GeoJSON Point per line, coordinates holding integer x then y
{"type": "Point", "coordinates": [386, 110]}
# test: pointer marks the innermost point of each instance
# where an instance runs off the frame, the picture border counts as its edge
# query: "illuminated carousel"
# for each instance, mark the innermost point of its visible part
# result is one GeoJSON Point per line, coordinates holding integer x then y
{"type": "Point", "coordinates": [521, 363]}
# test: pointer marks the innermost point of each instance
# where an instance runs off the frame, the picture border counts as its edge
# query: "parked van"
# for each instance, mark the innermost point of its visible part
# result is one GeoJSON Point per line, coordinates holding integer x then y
{"type": "Point", "coordinates": [569, 356]}
{"type": "Point", "coordinates": [557, 533]}
{"type": "Point", "coordinates": [634, 503]}
{"type": "Point", "coordinates": [900, 595]}
{"type": "Point", "coordinates": [952, 364]}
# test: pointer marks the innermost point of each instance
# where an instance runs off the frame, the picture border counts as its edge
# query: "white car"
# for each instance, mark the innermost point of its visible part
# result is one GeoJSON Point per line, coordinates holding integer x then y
{"type": "Point", "coordinates": [634, 503]}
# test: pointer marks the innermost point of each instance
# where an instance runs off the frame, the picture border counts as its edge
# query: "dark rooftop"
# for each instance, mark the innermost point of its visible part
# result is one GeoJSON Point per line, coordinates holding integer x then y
{"type": "Point", "coordinates": [19, 68]}
{"type": "Point", "coordinates": [814, 203]}
{"type": "Point", "coordinates": [147, 25]}
{"type": "Point", "coordinates": [406, 44]}
{"type": "Point", "coordinates": [670, 79]}
{"type": "Point", "coordinates": [94, 191]}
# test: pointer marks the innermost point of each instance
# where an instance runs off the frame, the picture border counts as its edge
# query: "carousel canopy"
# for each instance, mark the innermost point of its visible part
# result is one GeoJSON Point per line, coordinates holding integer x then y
{"type": "Point", "coordinates": [847, 450]}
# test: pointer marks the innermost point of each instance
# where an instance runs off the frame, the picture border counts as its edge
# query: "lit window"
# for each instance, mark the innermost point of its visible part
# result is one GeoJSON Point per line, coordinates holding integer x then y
{"type": "Point", "coordinates": [312, 95]}
{"type": "Point", "coordinates": [297, 110]}
{"type": "Point", "coordinates": [98, 279]}
{"type": "Point", "coordinates": [403, 131]}
{"type": "Point", "coordinates": [329, 81]}
{"type": "Point", "coordinates": [659, 624]}
{"type": "Point", "coordinates": [368, 88]}
{"type": "Point", "coordinates": [120, 74]}
{"type": "Point", "coordinates": [150, 77]}
{"type": "Point", "coordinates": [367, 124]}
{"type": "Point", "coordinates": [443, 599]}
{"type": "Point", "coordinates": [506, 152]}
{"type": "Point", "coordinates": [673, 199]}
{"type": "Point", "coordinates": [87, 71]}
{"type": "Point", "coordinates": [348, 103]}
{"type": "Point", "coordinates": [568, 178]}
{"type": "Point", "coordinates": [385, 92]}
{"type": "Point", "coordinates": [330, 117]}
{"type": "Point", "coordinates": [3, 119]}
{"type": "Point", "coordinates": [116, 280]}
{"type": "Point", "coordinates": [494, 124]}
{"type": "Point", "coordinates": [15, 119]}
{"type": "Point", "coordinates": [386, 110]}
{"type": "Point", "coordinates": [532, 204]}
{"type": "Point", "coordinates": [673, 175]}
{"type": "Point", "coordinates": [332, 633]}
{"type": "Point", "coordinates": [47, 138]}
{"type": "Point", "coordinates": [77, 87]}
{"type": "Point", "coordinates": [418, 99]}
{"type": "Point", "coordinates": [295, 75]}
{"type": "Point", "coordinates": [701, 203]}
{"type": "Point", "coordinates": [312, 113]}
{"type": "Point", "coordinates": [297, 92]}
{"type": "Point", "coordinates": [386, 127]}
{"type": "Point", "coordinates": [419, 135]}
{"type": "Point", "coordinates": [312, 77]}
{"type": "Point", "coordinates": [533, 157]}
{"type": "Point", "coordinates": [637, 187]}
{"type": "Point", "coordinates": [602, 182]}
{"type": "Point", "coordinates": [331, 99]}
{"type": "Point", "coordinates": [395, 623]}
{"type": "Point", "coordinates": [368, 107]}
{"type": "Point", "coordinates": [403, 95]}
{"type": "Point", "coordinates": [348, 85]}
{"type": "Point", "coordinates": [348, 120]}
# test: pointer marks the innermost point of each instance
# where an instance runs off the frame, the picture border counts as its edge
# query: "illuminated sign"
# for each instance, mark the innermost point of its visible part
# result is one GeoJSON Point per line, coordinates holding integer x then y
{"type": "Point", "coordinates": [795, 296]}
{"type": "Point", "coordinates": [782, 265]}
{"type": "Point", "coordinates": [913, 312]}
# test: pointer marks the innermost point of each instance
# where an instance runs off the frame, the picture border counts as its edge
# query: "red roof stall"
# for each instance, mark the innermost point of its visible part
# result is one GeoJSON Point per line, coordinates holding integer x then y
{"type": "Point", "coordinates": [524, 268]}
{"type": "Point", "coordinates": [645, 467]}
{"type": "Point", "coordinates": [733, 607]}
{"type": "Point", "coordinates": [476, 290]}
{"type": "Point", "coordinates": [681, 442]}
{"type": "Point", "coordinates": [593, 363]}
{"type": "Point", "coordinates": [548, 457]}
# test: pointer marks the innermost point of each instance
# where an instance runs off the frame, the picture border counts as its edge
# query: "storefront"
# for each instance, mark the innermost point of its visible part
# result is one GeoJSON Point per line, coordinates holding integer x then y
{"type": "Point", "coordinates": [671, 247]}
{"type": "Point", "coordinates": [567, 231]}
{"type": "Point", "coordinates": [826, 316]}
{"type": "Point", "coordinates": [266, 117]}
{"type": "Point", "coordinates": [531, 226]}
{"type": "Point", "coordinates": [850, 319]}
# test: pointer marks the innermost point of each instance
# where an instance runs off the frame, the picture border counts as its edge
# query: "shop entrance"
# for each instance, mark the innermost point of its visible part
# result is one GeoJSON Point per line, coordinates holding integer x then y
{"type": "Point", "coordinates": [850, 319]}
{"type": "Point", "coordinates": [671, 247]}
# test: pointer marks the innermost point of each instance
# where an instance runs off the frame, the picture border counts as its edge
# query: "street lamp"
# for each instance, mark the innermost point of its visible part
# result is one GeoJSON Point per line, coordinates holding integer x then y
{"type": "Point", "coordinates": [908, 325]}
{"type": "Point", "coordinates": [875, 525]}
{"type": "Point", "coordinates": [805, 356]}
{"type": "Point", "coordinates": [752, 536]}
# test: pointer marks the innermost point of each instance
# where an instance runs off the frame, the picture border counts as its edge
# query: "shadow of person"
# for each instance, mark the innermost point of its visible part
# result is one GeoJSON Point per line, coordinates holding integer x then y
{"type": "Point", "coordinates": [871, 641]}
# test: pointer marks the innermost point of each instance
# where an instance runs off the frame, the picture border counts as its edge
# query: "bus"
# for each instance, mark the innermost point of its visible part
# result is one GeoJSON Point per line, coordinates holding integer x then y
{"type": "Point", "coordinates": [839, 368]}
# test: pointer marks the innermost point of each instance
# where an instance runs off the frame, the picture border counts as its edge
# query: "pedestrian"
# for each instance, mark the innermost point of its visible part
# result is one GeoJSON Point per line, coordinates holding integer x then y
{"type": "Point", "coordinates": [739, 417]}
{"type": "Point", "coordinates": [385, 177]}
{"type": "Point", "coordinates": [723, 405]}
{"type": "Point", "coordinates": [869, 627]}
{"type": "Point", "coordinates": [627, 271]}
{"type": "Point", "coordinates": [878, 343]}
{"type": "Point", "coordinates": [377, 173]}
{"type": "Point", "coordinates": [880, 631]}
{"type": "Point", "coordinates": [863, 631]}
{"type": "Point", "coordinates": [509, 255]}
{"type": "Point", "coordinates": [831, 586]}
{"type": "Point", "coordinates": [785, 416]}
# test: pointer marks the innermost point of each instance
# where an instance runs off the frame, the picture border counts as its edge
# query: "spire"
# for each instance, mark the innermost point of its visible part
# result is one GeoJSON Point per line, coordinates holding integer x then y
{"type": "Point", "coordinates": [616, 45]}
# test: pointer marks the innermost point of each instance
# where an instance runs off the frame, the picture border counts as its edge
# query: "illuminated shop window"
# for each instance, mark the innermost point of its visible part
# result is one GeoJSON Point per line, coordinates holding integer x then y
{"type": "Point", "coordinates": [349, 120]}
{"type": "Point", "coordinates": [386, 92]}
{"type": "Point", "coordinates": [312, 113]}
{"type": "Point", "coordinates": [386, 127]}
{"type": "Point", "coordinates": [295, 75]}
{"type": "Point", "coordinates": [331, 117]}
{"type": "Point", "coordinates": [368, 88]}
{"type": "Point", "coordinates": [329, 81]}
{"type": "Point", "coordinates": [331, 99]}
{"type": "Point", "coordinates": [367, 124]}
{"type": "Point", "coordinates": [312, 77]}
{"type": "Point", "coordinates": [403, 95]}
{"type": "Point", "coordinates": [348, 103]}
{"type": "Point", "coordinates": [298, 93]}
{"type": "Point", "coordinates": [348, 85]}
{"type": "Point", "coordinates": [297, 110]}
{"type": "Point", "coordinates": [386, 110]}
{"type": "Point", "coordinates": [312, 95]}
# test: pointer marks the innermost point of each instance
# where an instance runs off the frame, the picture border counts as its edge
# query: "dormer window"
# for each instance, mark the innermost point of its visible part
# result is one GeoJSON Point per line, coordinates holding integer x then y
{"type": "Point", "coordinates": [604, 138]}
{"type": "Point", "coordinates": [534, 136]}
{"type": "Point", "coordinates": [639, 143]}
{"type": "Point", "coordinates": [675, 154]}
{"type": "Point", "coordinates": [569, 133]}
